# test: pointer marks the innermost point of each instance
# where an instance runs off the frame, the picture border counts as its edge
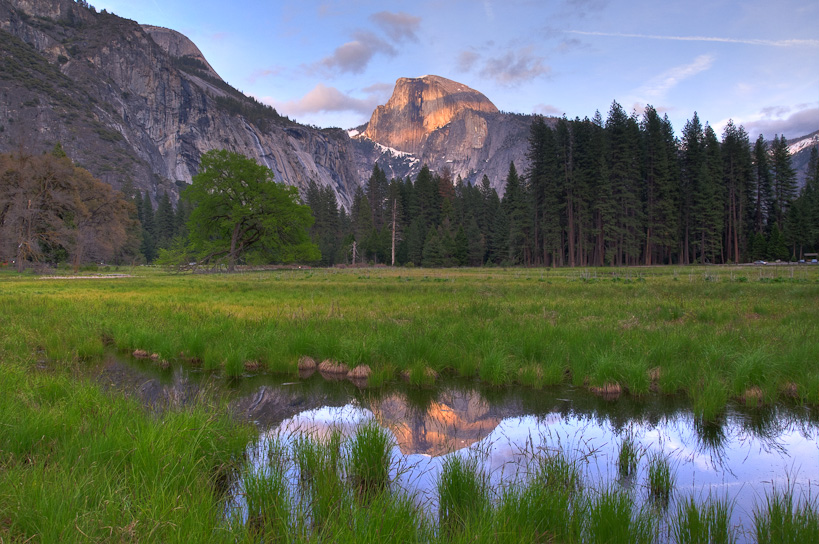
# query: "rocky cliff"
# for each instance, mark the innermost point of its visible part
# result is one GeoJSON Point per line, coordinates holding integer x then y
{"type": "Point", "coordinates": [139, 105]}
{"type": "Point", "coordinates": [435, 121]}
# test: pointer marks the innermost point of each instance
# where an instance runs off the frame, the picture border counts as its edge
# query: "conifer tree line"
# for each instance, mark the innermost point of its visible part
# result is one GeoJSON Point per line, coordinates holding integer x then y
{"type": "Point", "coordinates": [160, 227]}
{"type": "Point", "coordinates": [619, 191]}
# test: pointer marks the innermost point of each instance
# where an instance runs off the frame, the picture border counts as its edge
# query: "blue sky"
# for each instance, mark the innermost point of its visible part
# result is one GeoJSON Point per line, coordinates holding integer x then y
{"type": "Point", "coordinates": [329, 63]}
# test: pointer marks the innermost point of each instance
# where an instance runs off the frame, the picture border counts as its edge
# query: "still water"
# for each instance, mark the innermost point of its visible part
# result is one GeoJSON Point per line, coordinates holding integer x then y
{"type": "Point", "coordinates": [742, 456]}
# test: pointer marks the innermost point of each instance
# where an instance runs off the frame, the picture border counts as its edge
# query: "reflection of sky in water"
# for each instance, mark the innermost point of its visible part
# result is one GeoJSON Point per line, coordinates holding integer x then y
{"type": "Point", "coordinates": [740, 463]}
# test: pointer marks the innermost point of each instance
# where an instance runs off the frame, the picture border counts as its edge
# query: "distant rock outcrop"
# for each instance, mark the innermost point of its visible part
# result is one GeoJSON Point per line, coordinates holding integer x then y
{"type": "Point", "coordinates": [444, 124]}
{"type": "Point", "coordinates": [420, 106]}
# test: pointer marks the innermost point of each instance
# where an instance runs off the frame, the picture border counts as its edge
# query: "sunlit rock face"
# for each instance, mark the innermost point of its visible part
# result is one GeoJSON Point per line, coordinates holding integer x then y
{"type": "Point", "coordinates": [420, 106]}
{"type": "Point", "coordinates": [444, 124]}
{"type": "Point", "coordinates": [455, 420]}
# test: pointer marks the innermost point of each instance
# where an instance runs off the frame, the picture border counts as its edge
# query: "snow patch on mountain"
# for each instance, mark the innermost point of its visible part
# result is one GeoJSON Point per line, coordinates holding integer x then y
{"type": "Point", "coordinates": [804, 143]}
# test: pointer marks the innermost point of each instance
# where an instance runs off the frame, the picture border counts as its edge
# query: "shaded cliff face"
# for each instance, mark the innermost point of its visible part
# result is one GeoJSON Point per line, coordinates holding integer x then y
{"type": "Point", "coordinates": [138, 107]}
{"type": "Point", "coordinates": [444, 124]}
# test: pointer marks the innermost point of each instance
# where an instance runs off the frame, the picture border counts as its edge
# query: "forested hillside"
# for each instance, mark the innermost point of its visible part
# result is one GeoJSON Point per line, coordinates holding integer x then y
{"type": "Point", "coordinates": [619, 191]}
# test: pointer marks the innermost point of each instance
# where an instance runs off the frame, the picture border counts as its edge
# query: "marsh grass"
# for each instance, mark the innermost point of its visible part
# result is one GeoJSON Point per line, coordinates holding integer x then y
{"type": "Point", "coordinates": [613, 517]}
{"type": "Point", "coordinates": [708, 522]}
{"type": "Point", "coordinates": [324, 492]}
{"type": "Point", "coordinates": [72, 457]}
{"type": "Point", "coordinates": [268, 504]}
{"type": "Point", "coordinates": [787, 519]}
{"type": "Point", "coordinates": [558, 472]}
{"type": "Point", "coordinates": [369, 459]}
{"type": "Point", "coordinates": [628, 456]}
{"type": "Point", "coordinates": [463, 494]}
{"type": "Point", "coordinates": [660, 479]}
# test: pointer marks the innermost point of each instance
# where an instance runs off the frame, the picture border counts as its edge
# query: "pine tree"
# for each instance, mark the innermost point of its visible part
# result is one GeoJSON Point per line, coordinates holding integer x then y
{"type": "Point", "coordinates": [762, 194]}
{"type": "Point", "coordinates": [737, 175]}
{"type": "Point", "coordinates": [165, 221]}
{"type": "Point", "coordinates": [148, 247]}
{"type": "Point", "coordinates": [708, 198]}
{"type": "Point", "coordinates": [377, 187]}
{"type": "Point", "coordinates": [783, 178]}
{"type": "Point", "coordinates": [433, 254]}
{"type": "Point", "coordinates": [514, 205]}
{"type": "Point", "coordinates": [658, 187]}
{"type": "Point", "coordinates": [624, 172]}
{"type": "Point", "coordinates": [691, 165]}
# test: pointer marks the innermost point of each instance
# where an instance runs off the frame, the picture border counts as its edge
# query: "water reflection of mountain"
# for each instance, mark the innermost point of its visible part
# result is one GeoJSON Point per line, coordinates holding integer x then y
{"type": "Point", "coordinates": [456, 419]}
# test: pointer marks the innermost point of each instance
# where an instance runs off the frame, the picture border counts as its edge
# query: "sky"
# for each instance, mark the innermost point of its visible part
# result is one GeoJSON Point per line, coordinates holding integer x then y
{"type": "Point", "coordinates": [330, 63]}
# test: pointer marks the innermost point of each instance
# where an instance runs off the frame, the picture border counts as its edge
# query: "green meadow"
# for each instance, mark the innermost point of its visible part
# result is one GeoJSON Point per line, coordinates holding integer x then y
{"type": "Point", "coordinates": [714, 334]}
{"type": "Point", "coordinates": [78, 463]}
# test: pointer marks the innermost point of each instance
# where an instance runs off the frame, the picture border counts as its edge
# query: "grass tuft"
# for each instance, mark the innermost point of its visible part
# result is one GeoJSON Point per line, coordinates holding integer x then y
{"type": "Point", "coordinates": [705, 523]}
{"type": "Point", "coordinates": [660, 479]}
{"type": "Point", "coordinates": [463, 494]}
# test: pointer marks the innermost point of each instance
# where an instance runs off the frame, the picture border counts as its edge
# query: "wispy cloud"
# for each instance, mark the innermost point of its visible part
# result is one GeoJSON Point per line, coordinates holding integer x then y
{"type": "Point", "coordinates": [398, 26]}
{"type": "Point", "coordinates": [771, 121]}
{"type": "Point", "coordinates": [660, 85]}
{"type": "Point", "coordinates": [772, 43]}
{"type": "Point", "coordinates": [489, 10]}
{"type": "Point", "coordinates": [547, 109]}
{"type": "Point", "coordinates": [264, 73]}
{"type": "Point", "coordinates": [325, 99]}
{"type": "Point", "coordinates": [583, 8]}
{"type": "Point", "coordinates": [354, 56]}
{"type": "Point", "coordinates": [510, 69]}
{"type": "Point", "coordinates": [466, 61]}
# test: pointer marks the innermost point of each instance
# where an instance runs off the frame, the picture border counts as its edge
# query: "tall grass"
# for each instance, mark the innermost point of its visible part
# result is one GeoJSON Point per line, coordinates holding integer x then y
{"type": "Point", "coordinates": [660, 479]}
{"type": "Point", "coordinates": [78, 464]}
{"type": "Point", "coordinates": [614, 518]}
{"type": "Point", "coordinates": [463, 494]}
{"type": "Point", "coordinates": [787, 519]}
{"type": "Point", "coordinates": [628, 457]}
{"type": "Point", "coordinates": [708, 522]}
{"type": "Point", "coordinates": [369, 459]}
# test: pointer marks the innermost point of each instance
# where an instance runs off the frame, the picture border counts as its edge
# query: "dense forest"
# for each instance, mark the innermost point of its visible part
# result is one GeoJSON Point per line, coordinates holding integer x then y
{"type": "Point", "coordinates": [619, 191]}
